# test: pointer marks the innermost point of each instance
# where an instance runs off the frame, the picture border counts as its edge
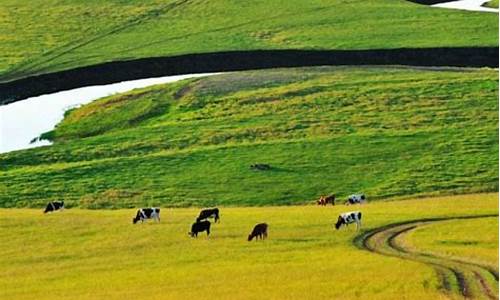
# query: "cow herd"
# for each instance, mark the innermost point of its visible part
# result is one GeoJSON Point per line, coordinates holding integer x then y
{"type": "Point", "coordinates": [352, 199]}
{"type": "Point", "coordinates": [202, 223]}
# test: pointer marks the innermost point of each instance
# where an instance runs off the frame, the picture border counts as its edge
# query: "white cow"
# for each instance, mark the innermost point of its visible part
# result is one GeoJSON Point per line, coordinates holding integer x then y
{"type": "Point", "coordinates": [356, 199]}
{"type": "Point", "coordinates": [349, 218]}
{"type": "Point", "coordinates": [147, 213]}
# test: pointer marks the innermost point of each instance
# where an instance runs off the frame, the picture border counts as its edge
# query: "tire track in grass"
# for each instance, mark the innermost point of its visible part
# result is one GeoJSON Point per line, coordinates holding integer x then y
{"type": "Point", "coordinates": [456, 276]}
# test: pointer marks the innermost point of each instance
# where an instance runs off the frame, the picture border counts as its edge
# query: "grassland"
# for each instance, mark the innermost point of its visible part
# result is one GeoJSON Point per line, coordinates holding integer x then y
{"type": "Point", "coordinates": [68, 34]}
{"type": "Point", "coordinates": [458, 276]}
{"type": "Point", "coordinates": [447, 239]}
{"type": "Point", "coordinates": [82, 254]}
{"type": "Point", "coordinates": [492, 3]}
{"type": "Point", "coordinates": [387, 132]}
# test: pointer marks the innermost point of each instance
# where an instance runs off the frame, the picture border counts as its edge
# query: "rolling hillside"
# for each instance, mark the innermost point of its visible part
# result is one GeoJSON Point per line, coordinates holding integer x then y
{"type": "Point", "coordinates": [67, 34]}
{"type": "Point", "coordinates": [385, 131]}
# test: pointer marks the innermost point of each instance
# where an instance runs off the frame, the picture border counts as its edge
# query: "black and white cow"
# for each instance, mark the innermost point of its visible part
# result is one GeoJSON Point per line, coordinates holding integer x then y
{"type": "Point", "coordinates": [53, 206]}
{"type": "Point", "coordinates": [349, 218]}
{"type": "Point", "coordinates": [200, 227]}
{"type": "Point", "coordinates": [356, 199]}
{"type": "Point", "coordinates": [147, 213]}
{"type": "Point", "coordinates": [209, 213]}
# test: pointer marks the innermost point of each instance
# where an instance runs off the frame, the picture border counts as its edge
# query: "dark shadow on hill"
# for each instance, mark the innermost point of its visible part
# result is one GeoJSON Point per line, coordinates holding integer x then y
{"type": "Point", "coordinates": [112, 72]}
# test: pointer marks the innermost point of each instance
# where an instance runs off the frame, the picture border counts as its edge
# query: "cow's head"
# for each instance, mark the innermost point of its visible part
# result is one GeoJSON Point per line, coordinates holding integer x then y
{"type": "Point", "coordinates": [250, 237]}
{"type": "Point", "coordinates": [135, 220]}
{"type": "Point", "coordinates": [339, 223]}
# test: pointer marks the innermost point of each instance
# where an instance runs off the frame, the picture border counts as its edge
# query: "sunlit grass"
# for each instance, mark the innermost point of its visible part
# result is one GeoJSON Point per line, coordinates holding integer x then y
{"type": "Point", "coordinates": [36, 40]}
{"type": "Point", "coordinates": [475, 240]}
{"type": "Point", "coordinates": [81, 254]}
{"type": "Point", "coordinates": [492, 3]}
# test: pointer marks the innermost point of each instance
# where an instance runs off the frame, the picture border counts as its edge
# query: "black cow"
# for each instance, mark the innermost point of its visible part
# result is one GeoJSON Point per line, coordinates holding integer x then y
{"type": "Point", "coordinates": [53, 206]}
{"type": "Point", "coordinates": [260, 230]}
{"type": "Point", "coordinates": [209, 213]}
{"type": "Point", "coordinates": [147, 213]}
{"type": "Point", "coordinates": [200, 227]}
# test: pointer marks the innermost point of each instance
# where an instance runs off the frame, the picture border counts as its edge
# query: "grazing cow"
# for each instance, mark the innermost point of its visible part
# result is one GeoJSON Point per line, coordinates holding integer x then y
{"type": "Point", "coordinates": [261, 167]}
{"type": "Point", "coordinates": [349, 218]}
{"type": "Point", "coordinates": [260, 230]}
{"type": "Point", "coordinates": [200, 227]}
{"type": "Point", "coordinates": [53, 206]}
{"type": "Point", "coordinates": [324, 200]}
{"type": "Point", "coordinates": [147, 213]}
{"type": "Point", "coordinates": [209, 213]}
{"type": "Point", "coordinates": [356, 199]}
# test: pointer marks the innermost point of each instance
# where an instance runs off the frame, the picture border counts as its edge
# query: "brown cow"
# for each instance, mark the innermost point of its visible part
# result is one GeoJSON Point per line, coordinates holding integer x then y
{"type": "Point", "coordinates": [260, 230]}
{"type": "Point", "coordinates": [324, 200]}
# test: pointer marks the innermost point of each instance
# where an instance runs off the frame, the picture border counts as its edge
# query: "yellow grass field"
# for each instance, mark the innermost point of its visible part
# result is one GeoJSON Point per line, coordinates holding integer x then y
{"type": "Point", "coordinates": [84, 254]}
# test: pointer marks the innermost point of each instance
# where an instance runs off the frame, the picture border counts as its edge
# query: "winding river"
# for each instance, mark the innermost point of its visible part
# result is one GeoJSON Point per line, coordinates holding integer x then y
{"type": "Point", "coordinates": [473, 5]}
{"type": "Point", "coordinates": [24, 120]}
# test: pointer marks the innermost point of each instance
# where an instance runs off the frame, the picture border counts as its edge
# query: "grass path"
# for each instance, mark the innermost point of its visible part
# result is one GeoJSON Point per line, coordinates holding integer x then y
{"type": "Point", "coordinates": [458, 278]}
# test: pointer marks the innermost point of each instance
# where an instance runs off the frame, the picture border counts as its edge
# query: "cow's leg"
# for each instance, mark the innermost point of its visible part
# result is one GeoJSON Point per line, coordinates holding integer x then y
{"type": "Point", "coordinates": [265, 235]}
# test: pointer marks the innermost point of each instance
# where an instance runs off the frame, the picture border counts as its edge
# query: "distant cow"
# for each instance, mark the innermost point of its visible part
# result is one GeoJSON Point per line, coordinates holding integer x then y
{"type": "Point", "coordinates": [260, 230]}
{"type": "Point", "coordinates": [147, 213]}
{"type": "Point", "coordinates": [349, 218]}
{"type": "Point", "coordinates": [261, 167]}
{"type": "Point", "coordinates": [209, 213]}
{"type": "Point", "coordinates": [200, 227]}
{"type": "Point", "coordinates": [324, 200]}
{"type": "Point", "coordinates": [53, 206]}
{"type": "Point", "coordinates": [356, 199]}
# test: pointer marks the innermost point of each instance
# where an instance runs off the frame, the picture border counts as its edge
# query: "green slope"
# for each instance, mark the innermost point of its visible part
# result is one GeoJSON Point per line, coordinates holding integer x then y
{"type": "Point", "coordinates": [492, 3]}
{"type": "Point", "coordinates": [44, 36]}
{"type": "Point", "coordinates": [384, 131]}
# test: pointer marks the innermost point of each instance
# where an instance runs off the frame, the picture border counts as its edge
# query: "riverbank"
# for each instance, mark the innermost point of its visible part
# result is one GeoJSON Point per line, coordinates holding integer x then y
{"type": "Point", "coordinates": [113, 72]}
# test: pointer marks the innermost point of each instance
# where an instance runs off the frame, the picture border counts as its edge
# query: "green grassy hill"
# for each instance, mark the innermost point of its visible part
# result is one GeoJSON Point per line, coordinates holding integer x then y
{"type": "Point", "coordinates": [45, 36]}
{"type": "Point", "coordinates": [384, 131]}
